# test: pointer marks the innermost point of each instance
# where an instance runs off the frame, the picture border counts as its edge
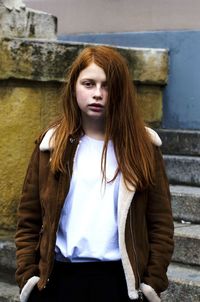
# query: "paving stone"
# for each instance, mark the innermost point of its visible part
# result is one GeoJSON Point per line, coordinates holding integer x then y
{"type": "Point", "coordinates": [183, 169]}
{"type": "Point", "coordinates": [187, 243]}
{"type": "Point", "coordinates": [186, 203]}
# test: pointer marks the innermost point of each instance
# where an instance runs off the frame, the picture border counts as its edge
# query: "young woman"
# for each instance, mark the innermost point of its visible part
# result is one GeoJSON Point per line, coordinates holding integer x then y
{"type": "Point", "coordinates": [95, 221]}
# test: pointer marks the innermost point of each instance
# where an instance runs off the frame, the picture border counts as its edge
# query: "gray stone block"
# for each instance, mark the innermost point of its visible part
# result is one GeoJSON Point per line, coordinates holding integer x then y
{"type": "Point", "coordinates": [180, 142]}
{"type": "Point", "coordinates": [7, 261]}
{"type": "Point", "coordinates": [7, 254]}
{"type": "Point", "coordinates": [8, 292]}
{"type": "Point", "coordinates": [27, 23]}
{"type": "Point", "coordinates": [184, 284]}
{"type": "Point", "coordinates": [183, 169]}
{"type": "Point", "coordinates": [187, 243]}
{"type": "Point", "coordinates": [186, 203]}
{"type": "Point", "coordinates": [48, 61]}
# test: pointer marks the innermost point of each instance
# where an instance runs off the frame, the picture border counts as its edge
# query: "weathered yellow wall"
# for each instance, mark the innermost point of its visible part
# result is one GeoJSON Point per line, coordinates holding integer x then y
{"type": "Point", "coordinates": [150, 104]}
{"type": "Point", "coordinates": [26, 108]}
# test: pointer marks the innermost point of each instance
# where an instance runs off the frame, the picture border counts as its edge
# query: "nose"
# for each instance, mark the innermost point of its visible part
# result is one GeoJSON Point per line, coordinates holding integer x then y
{"type": "Point", "coordinates": [98, 93]}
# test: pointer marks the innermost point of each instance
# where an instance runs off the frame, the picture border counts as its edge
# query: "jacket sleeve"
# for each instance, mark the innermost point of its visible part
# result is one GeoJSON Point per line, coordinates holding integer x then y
{"type": "Point", "coordinates": [29, 224]}
{"type": "Point", "coordinates": [160, 228]}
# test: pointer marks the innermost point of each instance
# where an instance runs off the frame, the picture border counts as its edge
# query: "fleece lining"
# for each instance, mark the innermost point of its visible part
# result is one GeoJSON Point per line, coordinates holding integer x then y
{"type": "Point", "coordinates": [47, 143]}
{"type": "Point", "coordinates": [124, 201]}
{"type": "Point", "coordinates": [149, 293]}
{"type": "Point", "coordinates": [28, 287]}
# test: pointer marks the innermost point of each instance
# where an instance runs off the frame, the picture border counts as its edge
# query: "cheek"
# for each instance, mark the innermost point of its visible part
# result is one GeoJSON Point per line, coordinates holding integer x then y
{"type": "Point", "coordinates": [81, 95]}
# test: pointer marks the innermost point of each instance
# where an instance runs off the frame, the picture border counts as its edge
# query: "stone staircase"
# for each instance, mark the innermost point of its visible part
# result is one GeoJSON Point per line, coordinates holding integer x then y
{"type": "Point", "coordinates": [181, 151]}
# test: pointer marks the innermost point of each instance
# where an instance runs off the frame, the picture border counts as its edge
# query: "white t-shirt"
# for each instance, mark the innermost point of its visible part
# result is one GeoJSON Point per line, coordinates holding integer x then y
{"type": "Point", "coordinates": [88, 223]}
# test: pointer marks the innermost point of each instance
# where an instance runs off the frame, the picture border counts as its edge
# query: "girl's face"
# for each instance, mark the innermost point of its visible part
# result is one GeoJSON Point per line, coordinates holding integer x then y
{"type": "Point", "coordinates": [92, 92]}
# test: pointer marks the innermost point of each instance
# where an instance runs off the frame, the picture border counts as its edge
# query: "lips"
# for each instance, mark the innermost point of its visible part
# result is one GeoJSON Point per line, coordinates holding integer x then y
{"type": "Point", "coordinates": [96, 107]}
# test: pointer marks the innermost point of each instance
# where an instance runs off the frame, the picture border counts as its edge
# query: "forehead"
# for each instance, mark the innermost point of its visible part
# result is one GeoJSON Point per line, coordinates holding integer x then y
{"type": "Point", "coordinates": [93, 71]}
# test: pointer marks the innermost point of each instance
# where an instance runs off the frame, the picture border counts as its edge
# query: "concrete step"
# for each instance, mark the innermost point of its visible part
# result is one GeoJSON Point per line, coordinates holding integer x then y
{"type": "Point", "coordinates": [186, 203]}
{"type": "Point", "coordinates": [184, 280]}
{"type": "Point", "coordinates": [184, 284]}
{"type": "Point", "coordinates": [187, 243]}
{"type": "Point", "coordinates": [183, 169]}
{"type": "Point", "coordinates": [180, 142]}
{"type": "Point", "coordinates": [9, 292]}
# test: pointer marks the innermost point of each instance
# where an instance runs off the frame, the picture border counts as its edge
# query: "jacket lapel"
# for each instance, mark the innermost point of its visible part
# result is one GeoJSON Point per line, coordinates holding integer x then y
{"type": "Point", "coordinates": [124, 201]}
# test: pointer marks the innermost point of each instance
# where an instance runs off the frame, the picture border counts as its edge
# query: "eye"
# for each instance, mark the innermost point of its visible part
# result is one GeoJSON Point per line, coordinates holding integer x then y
{"type": "Point", "coordinates": [88, 84]}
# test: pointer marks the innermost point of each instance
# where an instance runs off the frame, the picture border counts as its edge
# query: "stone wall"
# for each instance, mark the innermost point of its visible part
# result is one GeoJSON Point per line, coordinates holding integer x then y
{"type": "Point", "coordinates": [31, 74]}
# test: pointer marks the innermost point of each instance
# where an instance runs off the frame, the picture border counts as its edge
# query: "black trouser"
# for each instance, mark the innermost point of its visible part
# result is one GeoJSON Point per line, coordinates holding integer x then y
{"type": "Point", "coordinates": [84, 282]}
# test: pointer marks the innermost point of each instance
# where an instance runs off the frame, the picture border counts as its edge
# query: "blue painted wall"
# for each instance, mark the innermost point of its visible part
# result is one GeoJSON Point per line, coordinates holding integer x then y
{"type": "Point", "coordinates": [182, 94]}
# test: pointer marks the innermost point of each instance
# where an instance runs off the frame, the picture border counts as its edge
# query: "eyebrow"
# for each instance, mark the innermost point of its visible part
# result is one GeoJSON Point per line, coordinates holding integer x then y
{"type": "Point", "coordinates": [87, 79]}
{"type": "Point", "coordinates": [91, 79]}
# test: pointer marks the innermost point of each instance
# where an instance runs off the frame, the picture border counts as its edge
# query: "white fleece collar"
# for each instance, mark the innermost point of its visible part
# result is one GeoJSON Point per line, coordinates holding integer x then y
{"type": "Point", "coordinates": [47, 143]}
{"type": "Point", "coordinates": [154, 137]}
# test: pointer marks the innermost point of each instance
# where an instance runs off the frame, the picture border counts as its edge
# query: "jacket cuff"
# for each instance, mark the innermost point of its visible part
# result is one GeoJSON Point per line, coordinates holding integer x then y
{"type": "Point", "coordinates": [149, 293]}
{"type": "Point", "coordinates": [28, 287]}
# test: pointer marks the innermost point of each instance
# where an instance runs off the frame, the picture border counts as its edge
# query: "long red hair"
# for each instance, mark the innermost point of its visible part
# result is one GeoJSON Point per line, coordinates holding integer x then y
{"type": "Point", "coordinates": [124, 125]}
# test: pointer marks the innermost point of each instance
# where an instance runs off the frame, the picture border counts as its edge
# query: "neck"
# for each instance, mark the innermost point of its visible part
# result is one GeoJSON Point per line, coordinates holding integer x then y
{"type": "Point", "coordinates": [94, 128]}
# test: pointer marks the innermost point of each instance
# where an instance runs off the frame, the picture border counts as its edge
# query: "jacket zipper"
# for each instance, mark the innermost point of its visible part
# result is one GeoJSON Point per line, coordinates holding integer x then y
{"type": "Point", "coordinates": [40, 237]}
{"type": "Point", "coordinates": [140, 294]}
{"type": "Point", "coordinates": [41, 229]}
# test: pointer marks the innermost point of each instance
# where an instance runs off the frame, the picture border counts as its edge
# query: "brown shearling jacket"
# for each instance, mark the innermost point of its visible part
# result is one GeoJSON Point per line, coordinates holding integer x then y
{"type": "Point", "coordinates": [144, 221]}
